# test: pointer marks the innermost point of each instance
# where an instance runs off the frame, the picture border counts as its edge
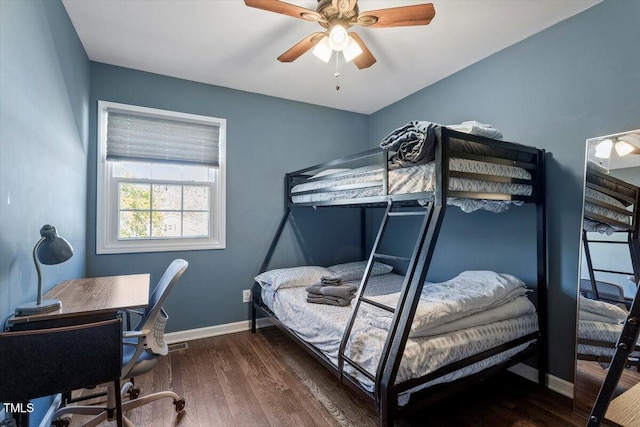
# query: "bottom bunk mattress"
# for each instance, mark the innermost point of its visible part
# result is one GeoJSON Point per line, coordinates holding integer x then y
{"type": "Point", "coordinates": [323, 327]}
{"type": "Point", "coordinates": [599, 322]}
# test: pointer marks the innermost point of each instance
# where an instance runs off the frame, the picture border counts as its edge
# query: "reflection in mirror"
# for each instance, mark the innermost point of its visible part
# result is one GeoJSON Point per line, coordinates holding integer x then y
{"type": "Point", "coordinates": [610, 264]}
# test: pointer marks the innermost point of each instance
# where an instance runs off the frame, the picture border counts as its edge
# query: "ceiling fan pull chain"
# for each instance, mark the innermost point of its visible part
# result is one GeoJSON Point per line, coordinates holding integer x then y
{"type": "Point", "coordinates": [337, 73]}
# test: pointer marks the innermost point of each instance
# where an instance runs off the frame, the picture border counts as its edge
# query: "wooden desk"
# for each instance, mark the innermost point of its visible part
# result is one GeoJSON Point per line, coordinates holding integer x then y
{"type": "Point", "coordinates": [623, 410]}
{"type": "Point", "coordinates": [88, 300]}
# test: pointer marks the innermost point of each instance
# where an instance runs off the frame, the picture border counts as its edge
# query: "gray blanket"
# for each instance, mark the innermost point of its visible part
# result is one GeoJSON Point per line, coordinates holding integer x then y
{"type": "Point", "coordinates": [342, 291]}
{"type": "Point", "coordinates": [323, 299]}
{"type": "Point", "coordinates": [414, 144]}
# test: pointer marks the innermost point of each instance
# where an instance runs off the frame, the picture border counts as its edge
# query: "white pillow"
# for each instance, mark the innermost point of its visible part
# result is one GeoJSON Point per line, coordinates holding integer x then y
{"type": "Point", "coordinates": [329, 172]}
{"type": "Point", "coordinates": [355, 270]}
{"type": "Point", "coordinates": [604, 309]}
{"type": "Point", "coordinates": [587, 315]}
{"type": "Point", "coordinates": [295, 277]}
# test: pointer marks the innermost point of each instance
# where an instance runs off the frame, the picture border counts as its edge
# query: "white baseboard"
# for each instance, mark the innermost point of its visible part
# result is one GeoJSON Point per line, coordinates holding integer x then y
{"type": "Point", "coordinates": [46, 420]}
{"type": "Point", "coordinates": [213, 331]}
{"type": "Point", "coordinates": [556, 384]}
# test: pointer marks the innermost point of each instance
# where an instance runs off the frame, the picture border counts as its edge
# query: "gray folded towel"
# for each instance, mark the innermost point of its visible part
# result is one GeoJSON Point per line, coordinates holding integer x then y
{"type": "Point", "coordinates": [331, 281]}
{"type": "Point", "coordinates": [329, 300]}
{"type": "Point", "coordinates": [342, 291]}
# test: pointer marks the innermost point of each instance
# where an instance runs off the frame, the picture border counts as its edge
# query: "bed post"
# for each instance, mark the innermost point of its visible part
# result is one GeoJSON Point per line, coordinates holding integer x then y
{"type": "Point", "coordinates": [363, 233]}
{"type": "Point", "coordinates": [543, 357]}
{"type": "Point", "coordinates": [272, 247]}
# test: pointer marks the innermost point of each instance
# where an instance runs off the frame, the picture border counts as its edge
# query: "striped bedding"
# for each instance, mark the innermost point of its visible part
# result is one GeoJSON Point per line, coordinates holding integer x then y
{"type": "Point", "coordinates": [597, 226]}
{"type": "Point", "coordinates": [600, 331]}
{"type": "Point", "coordinates": [600, 321]}
{"type": "Point", "coordinates": [421, 178]}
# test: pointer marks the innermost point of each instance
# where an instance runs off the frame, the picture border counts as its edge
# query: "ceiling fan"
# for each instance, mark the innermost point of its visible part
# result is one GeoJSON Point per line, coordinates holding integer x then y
{"type": "Point", "coordinates": [337, 16]}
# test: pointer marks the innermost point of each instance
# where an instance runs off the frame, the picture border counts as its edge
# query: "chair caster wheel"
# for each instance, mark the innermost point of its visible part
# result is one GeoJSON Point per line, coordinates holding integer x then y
{"type": "Point", "coordinates": [62, 422]}
{"type": "Point", "coordinates": [134, 393]}
{"type": "Point", "coordinates": [179, 404]}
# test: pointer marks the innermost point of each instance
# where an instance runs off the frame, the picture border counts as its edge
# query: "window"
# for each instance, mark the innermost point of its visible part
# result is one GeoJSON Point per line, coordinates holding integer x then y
{"type": "Point", "coordinates": [161, 180]}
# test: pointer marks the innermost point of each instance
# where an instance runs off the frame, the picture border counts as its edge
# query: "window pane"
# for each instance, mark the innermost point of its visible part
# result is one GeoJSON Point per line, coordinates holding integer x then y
{"type": "Point", "coordinates": [134, 225]}
{"type": "Point", "coordinates": [167, 197]}
{"type": "Point", "coordinates": [195, 173]}
{"type": "Point", "coordinates": [196, 224]}
{"type": "Point", "coordinates": [135, 196]}
{"type": "Point", "coordinates": [196, 198]}
{"type": "Point", "coordinates": [131, 170]}
{"type": "Point", "coordinates": [167, 224]}
{"type": "Point", "coordinates": [166, 172]}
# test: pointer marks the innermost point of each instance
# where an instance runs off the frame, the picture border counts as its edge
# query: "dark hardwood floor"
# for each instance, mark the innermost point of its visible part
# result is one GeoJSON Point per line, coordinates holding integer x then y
{"type": "Point", "coordinates": [265, 379]}
{"type": "Point", "coordinates": [589, 378]}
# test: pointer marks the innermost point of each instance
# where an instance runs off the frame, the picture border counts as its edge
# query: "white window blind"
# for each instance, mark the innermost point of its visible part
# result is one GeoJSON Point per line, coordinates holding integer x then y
{"type": "Point", "coordinates": [140, 137]}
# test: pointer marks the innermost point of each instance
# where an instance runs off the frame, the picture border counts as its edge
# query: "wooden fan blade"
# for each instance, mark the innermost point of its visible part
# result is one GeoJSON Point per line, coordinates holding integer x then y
{"type": "Point", "coordinates": [301, 47]}
{"type": "Point", "coordinates": [366, 58]}
{"type": "Point", "coordinates": [420, 14]}
{"type": "Point", "coordinates": [285, 9]}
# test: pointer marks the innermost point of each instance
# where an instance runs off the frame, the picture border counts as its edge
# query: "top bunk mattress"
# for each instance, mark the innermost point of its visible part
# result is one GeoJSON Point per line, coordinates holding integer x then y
{"type": "Point", "coordinates": [602, 190]}
{"type": "Point", "coordinates": [417, 179]}
{"type": "Point", "coordinates": [591, 224]}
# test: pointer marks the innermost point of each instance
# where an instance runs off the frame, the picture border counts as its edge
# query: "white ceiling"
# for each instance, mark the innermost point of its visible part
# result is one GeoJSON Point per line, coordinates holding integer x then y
{"type": "Point", "coordinates": [225, 43]}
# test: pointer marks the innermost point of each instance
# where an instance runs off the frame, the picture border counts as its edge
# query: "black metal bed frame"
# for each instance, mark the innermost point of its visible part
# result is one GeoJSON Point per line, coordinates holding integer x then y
{"type": "Point", "coordinates": [629, 193]}
{"type": "Point", "coordinates": [384, 397]}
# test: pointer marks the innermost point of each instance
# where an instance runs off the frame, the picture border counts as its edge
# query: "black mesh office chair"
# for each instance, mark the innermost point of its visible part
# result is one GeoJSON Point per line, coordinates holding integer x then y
{"type": "Point", "coordinates": [142, 349]}
{"type": "Point", "coordinates": [43, 362]}
{"type": "Point", "coordinates": [603, 291]}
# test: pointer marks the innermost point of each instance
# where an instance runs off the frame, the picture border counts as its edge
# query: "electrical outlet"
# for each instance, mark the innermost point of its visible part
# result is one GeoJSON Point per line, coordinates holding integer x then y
{"type": "Point", "coordinates": [246, 295]}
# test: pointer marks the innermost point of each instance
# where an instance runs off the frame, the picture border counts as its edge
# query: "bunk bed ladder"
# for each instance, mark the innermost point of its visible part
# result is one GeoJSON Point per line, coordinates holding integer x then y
{"type": "Point", "coordinates": [360, 298]}
{"type": "Point", "coordinates": [414, 277]}
{"type": "Point", "coordinates": [634, 250]}
{"type": "Point", "coordinates": [626, 343]}
{"type": "Point", "coordinates": [624, 347]}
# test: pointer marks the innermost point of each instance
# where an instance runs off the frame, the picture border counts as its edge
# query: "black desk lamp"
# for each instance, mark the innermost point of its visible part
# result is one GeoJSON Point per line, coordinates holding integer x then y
{"type": "Point", "coordinates": [51, 249]}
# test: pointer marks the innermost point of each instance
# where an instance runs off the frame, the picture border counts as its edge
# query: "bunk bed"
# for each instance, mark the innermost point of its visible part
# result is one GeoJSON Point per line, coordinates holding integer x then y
{"type": "Point", "coordinates": [611, 206]}
{"type": "Point", "coordinates": [372, 345]}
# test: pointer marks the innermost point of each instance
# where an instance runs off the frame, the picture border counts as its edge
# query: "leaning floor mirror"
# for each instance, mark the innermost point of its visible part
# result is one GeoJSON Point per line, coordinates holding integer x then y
{"type": "Point", "coordinates": [609, 267]}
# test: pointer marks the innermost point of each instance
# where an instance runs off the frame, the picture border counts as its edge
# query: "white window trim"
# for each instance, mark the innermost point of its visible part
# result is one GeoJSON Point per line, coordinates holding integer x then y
{"type": "Point", "coordinates": [107, 217]}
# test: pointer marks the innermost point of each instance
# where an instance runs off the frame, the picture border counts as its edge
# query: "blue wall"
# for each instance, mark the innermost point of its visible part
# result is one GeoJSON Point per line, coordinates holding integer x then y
{"type": "Point", "coordinates": [266, 137]}
{"type": "Point", "coordinates": [573, 81]}
{"type": "Point", "coordinates": [44, 93]}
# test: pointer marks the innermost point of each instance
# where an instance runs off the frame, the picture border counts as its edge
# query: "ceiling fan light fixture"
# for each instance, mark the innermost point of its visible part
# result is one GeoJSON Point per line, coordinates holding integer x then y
{"type": "Point", "coordinates": [352, 51]}
{"type": "Point", "coordinates": [603, 149]}
{"type": "Point", "coordinates": [338, 38]}
{"type": "Point", "coordinates": [623, 148]}
{"type": "Point", "coordinates": [323, 50]}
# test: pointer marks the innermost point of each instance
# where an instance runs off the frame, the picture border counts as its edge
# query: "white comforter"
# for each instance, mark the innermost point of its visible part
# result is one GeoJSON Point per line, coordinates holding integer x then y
{"type": "Point", "coordinates": [468, 293]}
